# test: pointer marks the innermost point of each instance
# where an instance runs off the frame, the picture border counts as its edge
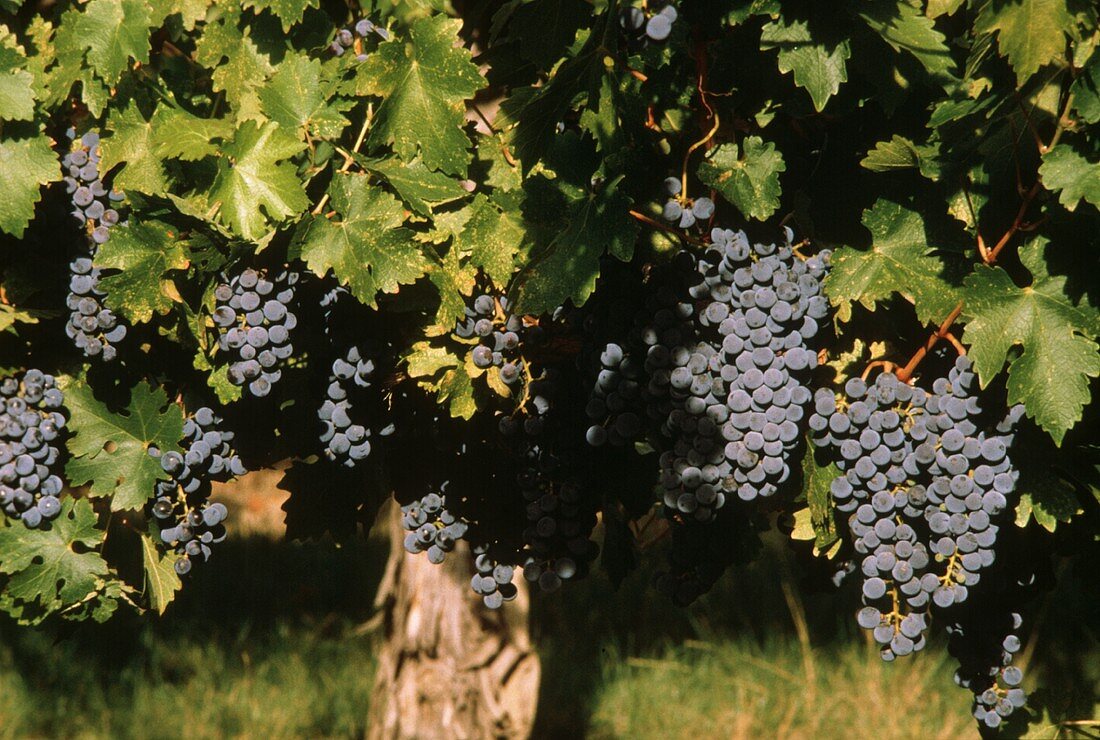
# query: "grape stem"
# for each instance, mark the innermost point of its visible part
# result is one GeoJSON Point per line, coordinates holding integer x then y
{"type": "Point", "coordinates": [941, 333]}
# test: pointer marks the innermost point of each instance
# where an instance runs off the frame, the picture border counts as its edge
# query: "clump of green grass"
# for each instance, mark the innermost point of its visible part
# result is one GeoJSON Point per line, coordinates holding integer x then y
{"type": "Point", "coordinates": [740, 689]}
{"type": "Point", "coordinates": [291, 682]}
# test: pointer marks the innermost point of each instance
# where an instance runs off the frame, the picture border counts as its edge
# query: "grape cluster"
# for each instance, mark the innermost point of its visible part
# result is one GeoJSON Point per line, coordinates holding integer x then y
{"type": "Point", "coordinates": [345, 441]}
{"type": "Point", "coordinates": [984, 645]}
{"type": "Point", "coordinates": [93, 328]}
{"type": "Point", "coordinates": [255, 322]}
{"type": "Point", "coordinates": [614, 404]}
{"type": "Point", "coordinates": [493, 580]}
{"type": "Point", "coordinates": [501, 337]}
{"type": "Point", "coordinates": [346, 38]}
{"type": "Point", "coordinates": [431, 527]}
{"type": "Point", "coordinates": [738, 391]}
{"type": "Point", "coordinates": [685, 213]}
{"type": "Point", "coordinates": [31, 424]}
{"type": "Point", "coordinates": [918, 482]}
{"type": "Point", "coordinates": [93, 203]}
{"type": "Point", "coordinates": [549, 473]}
{"type": "Point", "coordinates": [189, 522]}
{"type": "Point", "coordinates": [655, 27]}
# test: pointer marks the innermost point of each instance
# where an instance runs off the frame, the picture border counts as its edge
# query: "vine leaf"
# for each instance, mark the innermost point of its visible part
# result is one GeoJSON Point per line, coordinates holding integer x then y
{"type": "Point", "coordinates": [143, 252]}
{"type": "Point", "coordinates": [366, 246]}
{"type": "Point", "coordinates": [818, 68]}
{"type": "Point", "coordinates": [750, 181]}
{"type": "Point", "coordinates": [1075, 177]}
{"type": "Point", "coordinates": [900, 153]}
{"type": "Point", "coordinates": [111, 450]}
{"type": "Point", "coordinates": [816, 482]}
{"type": "Point", "coordinates": [113, 32]}
{"type": "Point", "coordinates": [254, 186]}
{"type": "Point", "coordinates": [454, 386]}
{"type": "Point", "coordinates": [245, 70]}
{"type": "Point", "coordinates": [418, 186]}
{"type": "Point", "coordinates": [453, 280]}
{"type": "Point", "coordinates": [161, 579]}
{"type": "Point", "coordinates": [25, 165]}
{"type": "Point", "coordinates": [133, 141]}
{"type": "Point", "coordinates": [54, 567]}
{"type": "Point", "coordinates": [905, 28]}
{"type": "Point", "coordinates": [492, 236]}
{"type": "Point", "coordinates": [298, 98]}
{"type": "Point", "coordinates": [1030, 33]}
{"type": "Point", "coordinates": [424, 81]}
{"type": "Point", "coordinates": [16, 95]}
{"type": "Point", "coordinates": [287, 11]}
{"type": "Point", "coordinates": [900, 260]}
{"type": "Point", "coordinates": [182, 135]}
{"type": "Point", "coordinates": [566, 261]}
{"type": "Point", "coordinates": [1086, 91]}
{"type": "Point", "coordinates": [1050, 375]}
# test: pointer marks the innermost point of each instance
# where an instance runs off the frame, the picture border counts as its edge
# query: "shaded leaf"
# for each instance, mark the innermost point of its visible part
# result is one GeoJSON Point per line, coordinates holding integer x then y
{"type": "Point", "coordinates": [818, 68]}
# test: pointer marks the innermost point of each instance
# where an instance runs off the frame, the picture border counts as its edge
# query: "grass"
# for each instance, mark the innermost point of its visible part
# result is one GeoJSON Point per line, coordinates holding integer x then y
{"type": "Point", "coordinates": [267, 643]}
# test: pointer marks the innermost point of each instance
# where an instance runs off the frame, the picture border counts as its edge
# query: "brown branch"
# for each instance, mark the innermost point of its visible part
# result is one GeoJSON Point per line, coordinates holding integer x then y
{"type": "Point", "coordinates": [941, 333]}
{"type": "Point", "coordinates": [991, 256]}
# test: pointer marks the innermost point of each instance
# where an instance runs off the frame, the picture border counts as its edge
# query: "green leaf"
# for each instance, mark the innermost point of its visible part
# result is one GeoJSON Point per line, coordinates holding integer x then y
{"type": "Point", "coordinates": [161, 579]}
{"type": "Point", "coordinates": [131, 141]}
{"type": "Point", "coordinates": [568, 263]}
{"type": "Point", "coordinates": [1045, 495]}
{"type": "Point", "coordinates": [901, 153]}
{"type": "Point", "coordinates": [297, 97]}
{"type": "Point", "coordinates": [245, 69]}
{"type": "Point", "coordinates": [143, 252]}
{"type": "Point", "coordinates": [750, 181]}
{"type": "Point", "coordinates": [453, 280]}
{"type": "Point", "coordinates": [1086, 91]}
{"type": "Point", "coordinates": [54, 567]}
{"type": "Point", "coordinates": [491, 237]}
{"type": "Point", "coordinates": [418, 186]}
{"type": "Point", "coordinates": [25, 165]}
{"type": "Point", "coordinates": [1050, 375]}
{"type": "Point", "coordinates": [1030, 33]}
{"type": "Point", "coordinates": [114, 31]}
{"type": "Point", "coordinates": [181, 135]}
{"type": "Point", "coordinates": [1073, 176]}
{"type": "Point", "coordinates": [454, 387]}
{"type": "Point", "coordinates": [818, 68]}
{"type": "Point", "coordinates": [816, 482]}
{"type": "Point", "coordinates": [905, 28]}
{"type": "Point", "coordinates": [111, 450]}
{"type": "Point", "coordinates": [366, 246]}
{"type": "Point", "coordinates": [900, 260]}
{"type": "Point", "coordinates": [545, 29]}
{"type": "Point", "coordinates": [425, 80]}
{"type": "Point", "coordinates": [254, 186]}
{"type": "Point", "coordinates": [16, 95]}
{"type": "Point", "coordinates": [287, 11]}
{"type": "Point", "coordinates": [936, 8]}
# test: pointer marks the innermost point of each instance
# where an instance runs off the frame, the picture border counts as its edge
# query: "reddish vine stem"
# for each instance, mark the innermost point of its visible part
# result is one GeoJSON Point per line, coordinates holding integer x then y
{"type": "Point", "coordinates": [941, 333]}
